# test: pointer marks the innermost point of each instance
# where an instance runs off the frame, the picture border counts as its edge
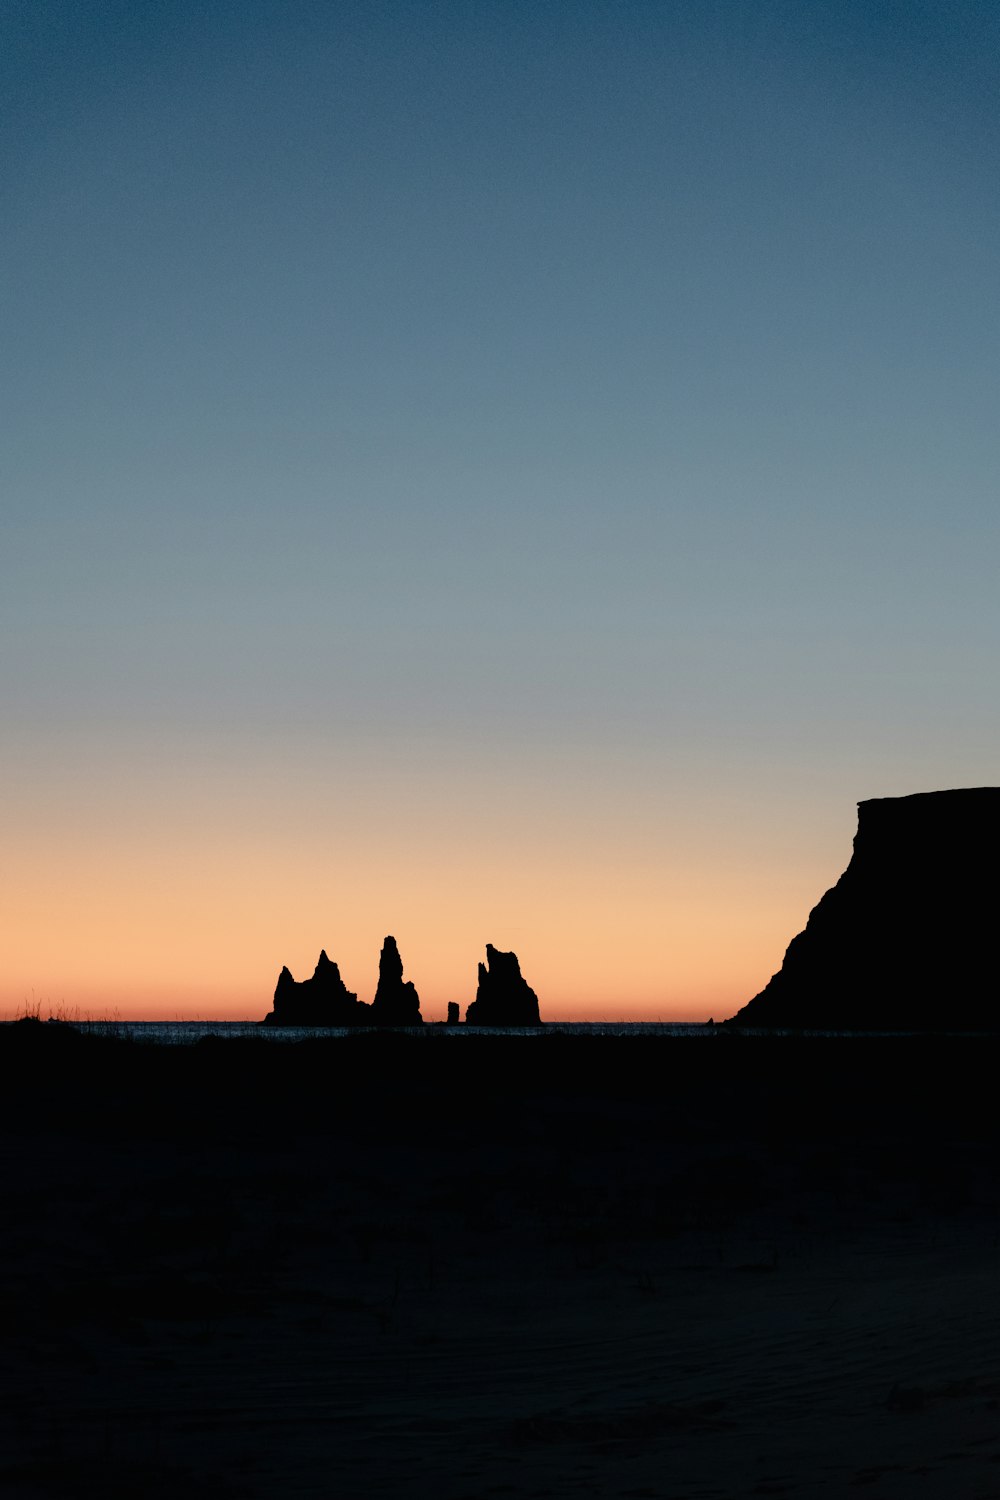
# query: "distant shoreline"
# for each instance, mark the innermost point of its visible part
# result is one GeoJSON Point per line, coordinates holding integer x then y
{"type": "Point", "coordinates": [190, 1033]}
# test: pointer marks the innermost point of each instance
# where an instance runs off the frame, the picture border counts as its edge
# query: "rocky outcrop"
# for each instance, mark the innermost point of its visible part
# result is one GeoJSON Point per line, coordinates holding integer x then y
{"type": "Point", "coordinates": [906, 938]}
{"type": "Point", "coordinates": [503, 997]}
{"type": "Point", "coordinates": [323, 1000]}
{"type": "Point", "coordinates": [396, 1001]}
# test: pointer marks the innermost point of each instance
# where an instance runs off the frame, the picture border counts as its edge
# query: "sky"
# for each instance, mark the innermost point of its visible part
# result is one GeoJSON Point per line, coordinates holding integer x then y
{"type": "Point", "coordinates": [482, 472]}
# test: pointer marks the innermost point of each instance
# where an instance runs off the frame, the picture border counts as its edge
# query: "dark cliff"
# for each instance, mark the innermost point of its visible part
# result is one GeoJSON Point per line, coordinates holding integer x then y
{"type": "Point", "coordinates": [906, 939]}
{"type": "Point", "coordinates": [396, 1001]}
{"type": "Point", "coordinates": [503, 997]}
{"type": "Point", "coordinates": [323, 1000]}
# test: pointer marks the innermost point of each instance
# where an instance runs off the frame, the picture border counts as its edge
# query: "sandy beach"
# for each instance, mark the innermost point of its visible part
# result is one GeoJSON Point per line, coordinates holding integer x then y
{"type": "Point", "coordinates": [374, 1267]}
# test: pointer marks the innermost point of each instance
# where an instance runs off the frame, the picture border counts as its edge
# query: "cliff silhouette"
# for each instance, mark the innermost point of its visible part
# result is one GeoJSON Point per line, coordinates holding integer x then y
{"type": "Point", "coordinates": [325, 1000]}
{"type": "Point", "coordinates": [905, 939]}
{"type": "Point", "coordinates": [396, 1001]}
{"type": "Point", "coordinates": [503, 996]}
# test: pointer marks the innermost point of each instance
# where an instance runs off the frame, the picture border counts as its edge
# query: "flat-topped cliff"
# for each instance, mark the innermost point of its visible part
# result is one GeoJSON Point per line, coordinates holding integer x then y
{"type": "Point", "coordinates": [906, 939]}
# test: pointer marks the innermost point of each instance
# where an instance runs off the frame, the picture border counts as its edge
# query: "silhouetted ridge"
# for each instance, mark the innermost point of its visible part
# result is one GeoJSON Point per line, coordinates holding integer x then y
{"type": "Point", "coordinates": [503, 997]}
{"type": "Point", "coordinates": [396, 1001]}
{"type": "Point", "coordinates": [323, 1000]}
{"type": "Point", "coordinates": [906, 938]}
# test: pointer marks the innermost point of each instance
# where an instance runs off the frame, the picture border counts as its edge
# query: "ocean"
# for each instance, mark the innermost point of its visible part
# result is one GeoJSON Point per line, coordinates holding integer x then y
{"type": "Point", "coordinates": [185, 1033]}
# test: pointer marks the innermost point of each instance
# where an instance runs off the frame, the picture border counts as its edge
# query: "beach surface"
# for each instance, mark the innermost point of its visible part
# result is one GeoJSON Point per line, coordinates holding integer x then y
{"type": "Point", "coordinates": [387, 1266]}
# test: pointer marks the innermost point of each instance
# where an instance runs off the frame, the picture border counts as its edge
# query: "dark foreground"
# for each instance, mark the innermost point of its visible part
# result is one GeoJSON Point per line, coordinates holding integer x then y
{"type": "Point", "coordinates": [380, 1266]}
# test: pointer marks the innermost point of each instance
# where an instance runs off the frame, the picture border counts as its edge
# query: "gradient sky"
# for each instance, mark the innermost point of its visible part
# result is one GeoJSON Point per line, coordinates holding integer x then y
{"type": "Point", "coordinates": [483, 472]}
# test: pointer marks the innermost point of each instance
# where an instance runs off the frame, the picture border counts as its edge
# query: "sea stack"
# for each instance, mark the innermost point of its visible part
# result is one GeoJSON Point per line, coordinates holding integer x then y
{"type": "Point", "coordinates": [906, 939]}
{"type": "Point", "coordinates": [503, 997]}
{"type": "Point", "coordinates": [396, 1002]}
{"type": "Point", "coordinates": [323, 1000]}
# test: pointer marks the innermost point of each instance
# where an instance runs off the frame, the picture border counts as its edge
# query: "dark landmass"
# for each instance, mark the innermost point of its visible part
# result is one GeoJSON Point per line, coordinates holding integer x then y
{"type": "Point", "coordinates": [906, 939]}
{"type": "Point", "coordinates": [399, 1264]}
{"type": "Point", "coordinates": [325, 1000]}
{"type": "Point", "coordinates": [396, 1001]}
{"type": "Point", "coordinates": [503, 996]}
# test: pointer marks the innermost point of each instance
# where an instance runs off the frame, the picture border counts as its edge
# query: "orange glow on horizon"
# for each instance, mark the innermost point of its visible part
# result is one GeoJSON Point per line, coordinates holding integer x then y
{"type": "Point", "coordinates": [184, 901]}
{"type": "Point", "coordinates": [161, 949]}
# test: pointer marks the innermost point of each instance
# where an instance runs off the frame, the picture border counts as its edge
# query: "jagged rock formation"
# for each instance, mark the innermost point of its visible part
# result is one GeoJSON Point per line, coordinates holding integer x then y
{"type": "Point", "coordinates": [906, 938]}
{"type": "Point", "coordinates": [396, 1002]}
{"type": "Point", "coordinates": [503, 997]}
{"type": "Point", "coordinates": [323, 1000]}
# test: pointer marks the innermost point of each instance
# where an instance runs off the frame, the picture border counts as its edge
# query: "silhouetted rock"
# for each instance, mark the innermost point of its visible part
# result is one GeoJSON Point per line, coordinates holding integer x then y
{"type": "Point", "coordinates": [906, 938]}
{"type": "Point", "coordinates": [503, 998]}
{"type": "Point", "coordinates": [396, 1002]}
{"type": "Point", "coordinates": [454, 1014]}
{"type": "Point", "coordinates": [323, 1000]}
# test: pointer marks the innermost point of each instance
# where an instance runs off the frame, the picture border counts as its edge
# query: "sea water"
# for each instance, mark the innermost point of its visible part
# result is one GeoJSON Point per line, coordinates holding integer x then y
{"type": "Point", "coordinates": [180, 1033]}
